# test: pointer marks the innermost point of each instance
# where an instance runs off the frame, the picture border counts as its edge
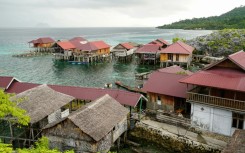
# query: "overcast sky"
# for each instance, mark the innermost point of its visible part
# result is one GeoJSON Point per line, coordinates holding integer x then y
{"type": "Point", "coordinates": [107, 13]}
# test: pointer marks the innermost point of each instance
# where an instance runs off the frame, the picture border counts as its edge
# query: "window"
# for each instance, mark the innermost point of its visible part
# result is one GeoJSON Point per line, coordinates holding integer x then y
{"type": "Point", "coordinates": [159, 100]}
{"type": "Point", "coordinates": [237, 120]}
{"type": "Point", "coordinates": [170, 57]}
{"type": "Point", "coordinates": [177, 57]}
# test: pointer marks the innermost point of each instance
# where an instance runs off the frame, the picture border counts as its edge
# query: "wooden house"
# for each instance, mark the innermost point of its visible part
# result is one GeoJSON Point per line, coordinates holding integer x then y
{"type": "Point", "coordinates": [165, 92]}
{"type": "Point", "coordinates": [91, 51]}
{"type": "Point", "coordinates": [79, 39]}
{"type": "Point", "coordinates": [178, 53]}
{"type": "Point", "coordinates": [218, 97]}
{"type": "Point", "coordinates": [85, 95]}
{"type": "Point", "coordinates": [160, 42]}
{"type": "Point", "coordinates": [6, 81]}
{"type": "Point", "coordinates": [148, 54]}
{"type": "Point", "coordinates": [123, 51]}
{"type": "Point", "coordinates": [42, 44]}
{"type": "Point", "coordinates": [43, 105]}
{"type": "Point", "coordinates": [63, 50]}
{"type": "Point", "coordinates": [93, 128]}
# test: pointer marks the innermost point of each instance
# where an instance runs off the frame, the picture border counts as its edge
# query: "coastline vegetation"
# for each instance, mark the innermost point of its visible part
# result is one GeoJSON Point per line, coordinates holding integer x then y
{"type": "Point", "coordinates": [232, 19]}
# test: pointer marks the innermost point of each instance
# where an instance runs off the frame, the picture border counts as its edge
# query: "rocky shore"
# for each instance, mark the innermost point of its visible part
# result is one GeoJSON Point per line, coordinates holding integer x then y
{"type": "Point", "coordinates": [176, 139]}
{"type": "Point", "coordinates": [220, 43]}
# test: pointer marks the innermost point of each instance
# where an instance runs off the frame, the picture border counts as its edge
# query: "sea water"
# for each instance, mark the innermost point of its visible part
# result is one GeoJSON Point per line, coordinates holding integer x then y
{"type": "Point", "coordinates": [44, 69]}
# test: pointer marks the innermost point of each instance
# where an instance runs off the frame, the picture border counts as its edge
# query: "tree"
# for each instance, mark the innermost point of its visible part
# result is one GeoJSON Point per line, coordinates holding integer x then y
{"type": "Point", "coordinates": [41, 146]}
{"type": "Point", "coordinates": [10, 111]}
{"type": "Point", "coordinates": [174, 40]}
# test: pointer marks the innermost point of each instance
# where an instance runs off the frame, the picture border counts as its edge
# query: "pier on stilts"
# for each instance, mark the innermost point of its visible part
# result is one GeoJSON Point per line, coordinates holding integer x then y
{"type": "Point", "coordinates": [133, 89]}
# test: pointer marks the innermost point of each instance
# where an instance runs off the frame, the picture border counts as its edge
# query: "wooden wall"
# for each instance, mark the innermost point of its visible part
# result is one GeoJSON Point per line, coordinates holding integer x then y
{"type": "Point", "coordinates": [167, 102]}
{"type": "Point", "coordinates": [182, 58]}
{"type": "Point", "coordinates": [227, 64]}
{"type": "Point", "coordinates": [47, 45]}
{"type": "Point", "coordinates": [103, 51]}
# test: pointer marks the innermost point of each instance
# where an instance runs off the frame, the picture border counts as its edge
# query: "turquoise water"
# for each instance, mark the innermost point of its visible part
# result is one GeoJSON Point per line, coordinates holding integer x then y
{"type": "Point", "coordinates": [44, 70]}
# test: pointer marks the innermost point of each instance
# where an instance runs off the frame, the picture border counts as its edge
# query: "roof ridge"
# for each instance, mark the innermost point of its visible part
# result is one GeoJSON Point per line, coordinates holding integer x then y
{"type": "Point", "coordinates": [235, 53]}
{"type": "Point", "coordinates": [181, 44]}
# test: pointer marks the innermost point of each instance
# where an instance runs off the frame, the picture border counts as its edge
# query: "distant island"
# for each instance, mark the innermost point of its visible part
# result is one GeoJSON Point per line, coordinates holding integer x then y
{"type": "Point", "coordinates": [234, 19]}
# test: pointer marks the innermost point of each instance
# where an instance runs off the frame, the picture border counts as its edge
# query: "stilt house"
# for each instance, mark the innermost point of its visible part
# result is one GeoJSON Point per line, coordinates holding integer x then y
{"type": "Point", "coordinates": [42, 44]}
{"type": "Point", "coordinates": [178, 53]}
{"type": "Point", "coordinates": [148, 54]}
{"type": "Point", "coordinates": [218, 97]}
{"type": "Point", "coordinates": [93, 128]}
{"type": "Point", "coordinates": [123, 51]}
{"type": "Point", "coordinates": [165, 92]}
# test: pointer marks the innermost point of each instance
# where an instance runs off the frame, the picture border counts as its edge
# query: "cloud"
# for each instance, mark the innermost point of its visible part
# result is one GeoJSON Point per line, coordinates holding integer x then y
{"type": "Point", "coordinates": [79, 13]}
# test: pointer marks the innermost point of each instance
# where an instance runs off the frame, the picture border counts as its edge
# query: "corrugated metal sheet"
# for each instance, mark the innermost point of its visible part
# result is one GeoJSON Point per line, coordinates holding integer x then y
{"type": "Point", "coordinates": [178, 48]}
{"type": "Point", "coordinates": [224, 78]}
{"type": "Point", "coordinates": [5, 81]}
{"type": "Point", "coordinates": [149, 48]}
{"type": "Point", "coordinates": [43, 40]}
{"type": "Point", "coordinates": [127, 45]}
{"type": "Point", "coordinates": [66, 45]}
{"type": "Point", "coordinates": [174, 69]}
{"type": "Point", "coordinates": [100, 44]}
{"type": "Point", "coordinates": [79, 39]}
{"type": "Point", "coordinates": [124, 97]}
{"type": "Point", "coordinates": [166, 84]}
{"type": "Point", "coordinates": [238, 58]}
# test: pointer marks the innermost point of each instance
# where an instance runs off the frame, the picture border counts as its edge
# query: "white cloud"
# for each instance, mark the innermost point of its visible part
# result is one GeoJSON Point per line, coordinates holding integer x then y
{"type": "Point", "coordinates": [107, 13]}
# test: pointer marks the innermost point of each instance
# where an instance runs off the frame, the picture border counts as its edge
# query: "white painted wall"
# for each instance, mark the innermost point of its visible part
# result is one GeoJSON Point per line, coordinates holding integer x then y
{"type": "Point", "coordinates": [212, 119]}
{"type": "Point", "coordinates": [222, 121]}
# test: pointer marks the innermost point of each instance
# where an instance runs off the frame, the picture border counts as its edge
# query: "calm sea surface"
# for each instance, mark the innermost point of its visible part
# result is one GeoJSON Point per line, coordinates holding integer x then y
{"type": "Point", "coordinates": [44, 70]}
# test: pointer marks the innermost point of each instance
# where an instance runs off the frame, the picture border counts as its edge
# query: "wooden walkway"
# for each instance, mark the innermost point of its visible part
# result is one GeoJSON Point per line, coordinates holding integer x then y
{"type": "Point", "coordinates": [133, 89]}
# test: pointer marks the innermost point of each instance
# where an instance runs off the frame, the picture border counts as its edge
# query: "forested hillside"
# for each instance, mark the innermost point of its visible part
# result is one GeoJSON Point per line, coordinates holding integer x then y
{"type": "Point", "coordinates": [233, 19]}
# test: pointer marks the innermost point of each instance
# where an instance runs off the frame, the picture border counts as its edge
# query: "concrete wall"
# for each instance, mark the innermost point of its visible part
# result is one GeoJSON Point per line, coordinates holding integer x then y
{"type": "Point", "coordinates": [212, 119]}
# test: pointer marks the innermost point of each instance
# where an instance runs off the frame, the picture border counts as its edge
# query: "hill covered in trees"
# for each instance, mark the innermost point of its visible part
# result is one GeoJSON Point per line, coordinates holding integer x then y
{"type": "Point", "coordinates": [233, 19]}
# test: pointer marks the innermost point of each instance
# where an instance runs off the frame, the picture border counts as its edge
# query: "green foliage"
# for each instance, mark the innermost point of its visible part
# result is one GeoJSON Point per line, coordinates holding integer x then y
{"type": "Point", "coordinates": [41, 146]}
{"type": "Point", "coordinates": [178, 39]}
{"type": "Point", "coordinates": [6, 148]}
{"type": "Point", "coordinates": [232, 19]}
{"type": "Point", "coordinates": [10, 111]}
{"type": "Point", "coordinates": [181, 73]}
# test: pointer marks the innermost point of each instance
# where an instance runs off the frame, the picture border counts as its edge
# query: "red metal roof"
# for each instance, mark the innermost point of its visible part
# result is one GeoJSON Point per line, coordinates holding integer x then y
{"type": "Point", "coordinates": [224, 78]}
{"type": "Point", "coordinates": [178, 48]}
{"type": "Point", "coordinates": [238, 58]}
{"type": "Point", "coordinates": [84, 93]}
{"type": "Point", "coordinates": [163, 41]}
{"type": "Point", "coordinates": [5, 81]}
{"type": "Point", "coordinates": [166, 84]}
{"type": "Point", "coordinates": [85, 47]}
{"type": "Point", "coordinates": [174, 69]}
{"type": "Point", "coordinates": [100, 44]}
{"type": "Point", "coordinates": [90, 46]}
{"type": "Point", "coordinates": [79, 39]}
{"type": "Point", "coordinates": [66, 45]}
{"type": "Point", "coordinates": [43, 40]}
{"type": "Point", "coordinates": [127, 45]}
{"type": "Point", "coordinates": [149, 48]}
{"type": "Point", "coordinates": [156, 43]}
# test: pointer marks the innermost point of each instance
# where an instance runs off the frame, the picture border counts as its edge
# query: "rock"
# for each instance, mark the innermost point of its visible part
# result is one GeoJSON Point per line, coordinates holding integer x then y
{"type": "Point", "coordinates": [220, 43]}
